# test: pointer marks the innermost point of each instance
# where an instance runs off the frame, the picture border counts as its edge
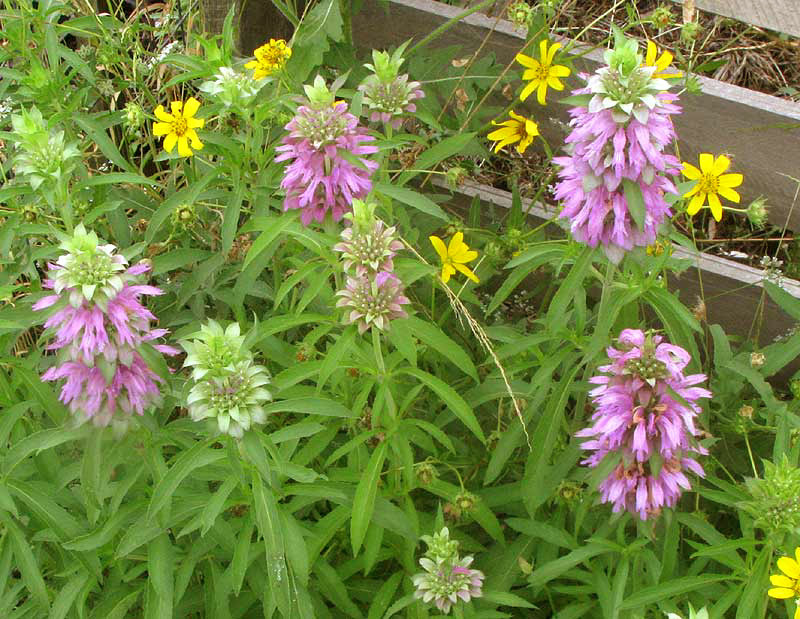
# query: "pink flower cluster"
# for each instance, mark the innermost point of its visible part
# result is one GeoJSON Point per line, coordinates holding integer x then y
{"type": "Point", "coordinates": [605, 151]}
{"type": "Point", "coordinates": [98, 329]}
{"type": "Point", "coordinates": [319, 178]}
{"type": "Point", "coordinates": [640, 423]}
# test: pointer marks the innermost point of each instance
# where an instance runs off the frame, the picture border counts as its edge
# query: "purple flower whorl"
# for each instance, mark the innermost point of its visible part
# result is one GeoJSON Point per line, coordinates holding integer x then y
{"type": "Point", "coordinates": [642, 426]}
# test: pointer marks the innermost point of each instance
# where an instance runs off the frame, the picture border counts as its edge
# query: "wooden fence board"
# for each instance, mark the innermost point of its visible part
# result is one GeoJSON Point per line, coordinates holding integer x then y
{"type": "Point", "coordinates": [732, 291]}
{"type": "Point", "coordinates": [761, 132]}
{"type": "Point", "coordinates": [779, 15]}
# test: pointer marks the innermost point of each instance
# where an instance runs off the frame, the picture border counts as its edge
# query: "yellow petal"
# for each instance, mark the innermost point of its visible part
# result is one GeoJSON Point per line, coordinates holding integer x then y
{"type": "Point", "coordinates": [696, 203]}
{"type": "Point", "coordinates": [716, 206]}
{"type": "Point", "coordinates": [517, 117]}
{"type": "Point", "coordinates": [721, 164]}
{"type": "Point", "coordinates": [797, 613]}
{"type": "Point", "coordinates": [439, 246]}
{"type": "Point", "coordinates": [664, 61]}
{"type": "Point", "coordinates": [559, 70]}
{"type": "Point", "coordinates": [652, 52]}
{"type": "Point", "coordinates": [162, 115]}
{"type": "Point", "coordinates": [797, 554]}
{"type": "Point", "coordinates": [552, 53]}
{"type": "Point", "coordinates": [692, 191]}
{"type": "Point", "coordinates": [691, 172]}
{"type": "Point", "coordinates": [467, 272]}
{"type": "Point", "coordinates": [503, 143]}
{"type": "Point", "coordinates": [160, 129]}
{"type": "Point", "coordinates": [790, 567]}
{"type": "Point", "coordinates": [527, 61]}
{"type": "Point", "coordinates": [555, 83]}
{"type": "Point", "coordinates": [183, 147]}
{"type": "Point", "coordinates": [707, 163]}
{"type": "Point", "coordinates": [447, 271]}
{"type": "Point", "coordinates": [729, 194]}
{"type": "Point", "coordinates": [543, 51]}
{"type": "Point", "coordinates": [531, 75]}
{"type": "Point", "coordinates": [176, 107]}
{"type": "Point", "coordinates": [502, 134]}
{"type": "Point", "coordinates": [531, 128]}
{"type": "Point", "coordinates": [541, 93]}
{"type": "Point", "coordinates": [195, 141]}
{"type": "Point", "coordinates": [528, 90]}
{"type": "Point", "coordinates": [191, 107]}
{"type": "Point", "coordinates": [455, 244]}
{"type": "Point", "coordinates": [195, 123]}
{"type": "Point", "coordinates": [780, 593]}
{"type": "Point", "coordinates": [169, 142]}
{"type": "Point", "coordinates": [465, 256]}
{"type": "Point", "coordinates": [779, 580]}
{"type": "Point", "coordinates": [730, 180]}
{"type": "Point", "coordinates": [251, 65]}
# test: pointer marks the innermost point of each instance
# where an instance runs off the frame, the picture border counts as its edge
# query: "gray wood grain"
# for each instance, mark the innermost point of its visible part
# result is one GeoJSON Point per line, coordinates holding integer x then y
{"type": "Point", "coordinates": [760, 132]}
{"type": "Point", "coordinates": [779, 15]}
{"type": "Point", "coordinates": [732, 291]}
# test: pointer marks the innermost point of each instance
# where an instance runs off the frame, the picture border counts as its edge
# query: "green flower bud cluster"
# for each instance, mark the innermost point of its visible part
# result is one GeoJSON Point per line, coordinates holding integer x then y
{"type": "Point", "coordinates": [775, 503]}
{"type": "Point", "coordinates": [42, 156]}
{"type": "Point", "coordinates": [232, 88]}
{"type": "Point", "coordinates": [228, 385]}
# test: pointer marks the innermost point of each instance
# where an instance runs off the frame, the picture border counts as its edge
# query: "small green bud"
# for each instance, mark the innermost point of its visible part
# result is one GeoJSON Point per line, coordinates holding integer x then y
{"type": "Point", "coordinates": [690, 31]}
{"type": "Point", "coordinates": [757, 212]}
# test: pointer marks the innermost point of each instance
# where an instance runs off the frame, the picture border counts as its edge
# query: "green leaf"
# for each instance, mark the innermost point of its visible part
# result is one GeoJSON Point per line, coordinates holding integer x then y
{"type": "Point", "coordinates": [177, 258]}
{"type": "Point", "coordinates": [26, 563]}
{"type": "Point", "coordinates": [785, 301]}
{"type": "Point", "coordinates": [269, 526]}
{"type": "Point", "coordinates": [160, 567]}
{"type": "Point", "coordinates": [430, 158]}
{"type": "Point", "coordinates": [553, 569]}
{"type": "Point", "coordinates": [310, 406]}
{"type": "Point", "coordinates": [241, 554]}
{"type": "Point", "coordinates": [269, 232]}
{"type": "Point", "coordinates": [413, 199]}
{"type": "Point", "coordinates": [503, 598]}
{"type": "Point", "coordinates": [230, 218]}
{"type": "Point", "coordinates": [557, 312]}
{"type": "Point", "coordinates": [671, 589]}
{"type": "Point", "coordinates": [382, 599]}
{"type": "Point", "coordinates": [451, 398]}
{"type": "Point", "coordinates": [334, 355]}
{"type": "Point", "coordinates": [38, 442]}
{"type": "Point", "coordinates": [97, 134]}
{"type": "Point", "coordinates": [364, 501]}
{"type": "Point", "coordinates": [577, 100]}
{"type": "Point", "coordinates": [216, 504]}
{"type": "Point", "coordinates": [66, 597]}
{"type": "Point", "coordinates": [438, 341]}
{"type": "Point", "coordinates": [190, 460]}
{"type": "Point", "coordinates": [113, 178]}
{"type": "Point", "coordinates": [187, 195]}
{"type": "Point", "coordinates": [635, 200]}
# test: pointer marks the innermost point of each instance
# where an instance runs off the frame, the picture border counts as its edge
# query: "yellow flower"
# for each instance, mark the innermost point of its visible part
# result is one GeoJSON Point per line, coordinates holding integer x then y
{"type": "Point", "coordinates": [788, 585]}
{"type": "Point", "coordinates": [542, 74]}
{"type": "Point", "coordinates": [661, 63]}
{"type": "Point", "coordinates": [454, 256]}
{"type": "Point", "coordinates": [516, 129]}
{"type": "Point", "coordinates": [270, 57]}
{"type": "Point", "coordinates": [711, 183]}
{"type": "Point", "coordinates": [179, 127]}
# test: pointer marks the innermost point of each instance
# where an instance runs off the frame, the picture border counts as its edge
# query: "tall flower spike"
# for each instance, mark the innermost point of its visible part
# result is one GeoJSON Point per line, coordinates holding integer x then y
{"type": "Point", "coordinates": [615, 156]}
{"type": "Point", "coordinates": [644, 420]}
{"type": "Point", "coordinates": [367, 245]}
{"type": "Point", "coordinates": [325, 145]}
{"type": "Point", "coordinates": [99, 328]}
{"type": "Point", "coordinates": [228, 386]}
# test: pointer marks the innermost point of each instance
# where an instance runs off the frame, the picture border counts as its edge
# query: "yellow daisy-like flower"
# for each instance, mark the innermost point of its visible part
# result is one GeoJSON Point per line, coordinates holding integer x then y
{"type": "Point", "coordinates": [711, 183]}
{"type": "Point", "coordinates": [516, 129]}
{"type": "Point", "coordinates": [270, 57]}
{"type": "Point", "coordinates": [454, 256]}
{"type": "Point", "coordinates": [179, 127]}
{"type": "Point", "coordinates": [542, 73]}
{"type": "Point", "coordinates": [661, 63]}
{"type": "Point", "coordinates": [787, 585]}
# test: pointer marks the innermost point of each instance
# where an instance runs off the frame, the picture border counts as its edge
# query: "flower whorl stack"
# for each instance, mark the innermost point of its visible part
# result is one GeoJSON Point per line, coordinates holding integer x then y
{"type": "Point", "coordinates": [321, 178]}
{"type": "Point", "coordinates": [644, 420]}
{"type": "Point", "coordinates": [387, 94]}
{"type": "Point", "coordinates": [228, 384]}
{"type": "Point", "coordinates": [447, 577]}
{"type": "Point", "coordinates": [616, 160]}
{"type": "Point", "coordinates": [99, 328]}
{"type": "Point", "coordinates": [372, 291]}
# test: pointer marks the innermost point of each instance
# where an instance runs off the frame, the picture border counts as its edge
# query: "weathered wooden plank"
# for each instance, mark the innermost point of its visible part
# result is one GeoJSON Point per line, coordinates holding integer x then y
{"type": "Point", "coordinates": [732, 291]}
{"type": "Point", "coordinates": [761, 132]}
{"type": "Point", "coordinates": [779, 15]}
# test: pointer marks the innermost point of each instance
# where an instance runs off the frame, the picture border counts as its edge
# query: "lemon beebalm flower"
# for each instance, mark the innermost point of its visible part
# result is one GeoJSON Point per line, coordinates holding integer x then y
{"type": "Point", "coordinates": [787, 585]}
{"type": "Point", "coordinates": [542, 73]}
{"type": "Point", "coordinates": [454, 256]}
{"type": "Point", "coordinates": [661, 63]}
{"type": "Point", "coordinates": [712, 182]}
{"type": "Point", "coordinates": [516, 130]}
{"type": "Point", "coordinates": [179, 127]}
{"type": "Point", "coordinates": [270, 57]}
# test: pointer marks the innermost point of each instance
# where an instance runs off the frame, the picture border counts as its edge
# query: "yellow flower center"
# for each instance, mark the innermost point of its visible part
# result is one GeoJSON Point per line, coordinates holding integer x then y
{"type": "Point", "coordinates": [180, 126]}
{"type": "Point", "coordinates": [709, 183]}
{"type": "Point", "coordinates": [542, 72]}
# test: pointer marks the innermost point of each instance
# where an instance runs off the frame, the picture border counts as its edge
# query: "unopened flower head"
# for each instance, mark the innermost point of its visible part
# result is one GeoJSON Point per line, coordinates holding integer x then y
{"type": "Point", "coordinates": [447, 578]}
{"type": "Point", "coordinates": [323, 140]}
{"type": "Point", "coordinates": [232, 88]}
{"type": "Point", "coordinates": [615, 174]}
{"type": "Point", "coordinates": [645, 410]}
{"type": "Point", "coordinates": [368, 245]}
{"type": "Point", "coordinates": [228, 385]}
{"type": "Point", "coordinates": [373, 299]}
{"type": "Point", "coordinates": [387, 94]}
{"type": "Point", "coordinates": [99, 327]}
{"type": "Point", "coordinates": [269, 58]}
